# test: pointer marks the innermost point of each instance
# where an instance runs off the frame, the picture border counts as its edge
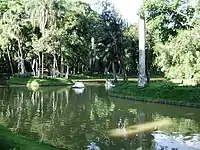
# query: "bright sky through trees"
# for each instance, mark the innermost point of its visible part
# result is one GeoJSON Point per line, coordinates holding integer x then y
{"type": "Point", "coordinates": [127, 8]}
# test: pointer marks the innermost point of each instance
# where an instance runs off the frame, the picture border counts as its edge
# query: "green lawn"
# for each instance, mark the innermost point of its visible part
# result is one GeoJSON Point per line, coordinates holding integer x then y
{"type": "Point", "coordinates": [93, 76]}
{"type": "Point", "coordinates": [160, 91]}
{"type": "Point", "coordinates": [14, 141]}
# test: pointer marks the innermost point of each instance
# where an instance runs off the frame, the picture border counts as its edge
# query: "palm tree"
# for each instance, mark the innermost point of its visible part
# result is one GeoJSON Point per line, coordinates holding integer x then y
{"type": "Point", "coordinates": [48, 16]}
{"type": "Point", "coordinates": [38, 11]}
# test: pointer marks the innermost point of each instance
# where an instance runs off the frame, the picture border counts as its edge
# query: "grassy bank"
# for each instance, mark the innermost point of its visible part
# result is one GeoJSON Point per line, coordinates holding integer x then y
{"type": "Point", "coordinates": [14, 141]}
{"type": "Point", "coordinates": [88, 76]}
{"type": "Point", "coordinates": [63, 81]}
{"type": "Point", "coordinates": [103, 77]}
{"type": "Point", "coordinates": [160, 92]}
{"type": "Point", "coordinates": [39, 82]}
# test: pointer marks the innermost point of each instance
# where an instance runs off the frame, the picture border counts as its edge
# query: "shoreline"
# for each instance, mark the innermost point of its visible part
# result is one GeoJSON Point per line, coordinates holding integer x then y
{"type": "Point", "coordinates": [38, 82]}
{"type": "Point", "coordinates": [20, 81]}
{"type": "Point", "coordinates": [159, 92]}
{"type": "Point", "coordinates": [158, 101]}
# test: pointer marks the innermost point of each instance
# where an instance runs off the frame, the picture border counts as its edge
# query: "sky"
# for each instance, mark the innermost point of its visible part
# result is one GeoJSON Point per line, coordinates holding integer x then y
{"type": "Point", "coordinates": [127, 8]}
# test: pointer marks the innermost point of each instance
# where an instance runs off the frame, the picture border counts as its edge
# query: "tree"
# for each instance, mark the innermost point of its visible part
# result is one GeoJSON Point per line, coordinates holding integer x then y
{"type": "Point", "coordinates": [131, 48]}
{"type": "Point", "coordinates": [179, 58]}
{"type": "Point", "coordinates": [15, 28]}
{"type": "Point", "coordinates": [142, 79]}
{"type": "Point", "coordinates": [165, 18]}
{"type": "Point", "coordinates": [170, 22]}
{"type": "Point", "coordinates": [110, 44]}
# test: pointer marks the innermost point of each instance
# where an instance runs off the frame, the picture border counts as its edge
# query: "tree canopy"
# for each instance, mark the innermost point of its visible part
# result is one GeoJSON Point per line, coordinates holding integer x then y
{"type": "Point", "coordinates": [174, 26]}
{"type": "Point", "coordinates": [59, 37]}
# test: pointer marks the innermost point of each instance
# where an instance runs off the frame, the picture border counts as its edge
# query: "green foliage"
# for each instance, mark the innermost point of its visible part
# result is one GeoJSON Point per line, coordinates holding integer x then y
{"type": "Point", "coordinates": [131, 47]}
{"type": "Point", "coordinates": [62, 31]}
{"type": "Point", "coordinates": [180, 57]}
{"type": "Point", "coordinates": [165, 18]}
{"type": "Point", "coordinates": [173, 30]}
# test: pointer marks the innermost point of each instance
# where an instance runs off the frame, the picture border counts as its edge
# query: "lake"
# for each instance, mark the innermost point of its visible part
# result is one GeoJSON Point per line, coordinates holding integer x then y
{"type": "Point", "coordinates": [71, 119]}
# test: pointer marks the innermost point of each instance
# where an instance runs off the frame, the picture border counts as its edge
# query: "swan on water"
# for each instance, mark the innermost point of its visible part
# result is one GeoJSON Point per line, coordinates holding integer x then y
{"type": "Point", "coordinates": [109, 84]}
{"type": "Point", "coordinates": [78, 85]}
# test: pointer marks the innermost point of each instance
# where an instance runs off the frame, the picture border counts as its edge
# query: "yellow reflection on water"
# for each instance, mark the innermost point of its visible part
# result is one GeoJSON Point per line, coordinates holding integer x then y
{"type": "Point", "coordinates": [139, 128]}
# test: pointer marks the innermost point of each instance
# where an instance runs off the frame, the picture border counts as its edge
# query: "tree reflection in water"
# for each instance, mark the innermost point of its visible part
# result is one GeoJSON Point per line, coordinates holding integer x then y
{"type": "Point", "coordinates": [56, 115]}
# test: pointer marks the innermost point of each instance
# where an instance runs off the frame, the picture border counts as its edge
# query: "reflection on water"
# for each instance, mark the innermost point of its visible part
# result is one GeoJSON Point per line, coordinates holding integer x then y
{"type": "Point", "coordinates": [78, 90]}
{"type": "Point", "coordinates": [164, 141]}
{"type": "Point", "coordinates": [58, 116]}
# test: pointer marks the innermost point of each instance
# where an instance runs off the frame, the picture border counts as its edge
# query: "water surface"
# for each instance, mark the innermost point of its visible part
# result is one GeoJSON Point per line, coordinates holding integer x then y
{"type": "Point", "coordinates": [72, 120]}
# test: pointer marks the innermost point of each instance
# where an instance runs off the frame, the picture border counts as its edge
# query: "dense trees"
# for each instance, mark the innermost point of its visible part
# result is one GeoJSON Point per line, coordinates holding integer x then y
{"type": "Point", "coordinates": [175, 30]}
{"type": "Point", "coordinates": [58, 37]}
{"type": "Point", "coordinates": [55, 36]}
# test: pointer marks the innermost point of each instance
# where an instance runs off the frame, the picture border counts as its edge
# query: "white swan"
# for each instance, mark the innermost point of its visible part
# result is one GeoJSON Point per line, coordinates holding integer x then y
{"type": "Point", "coordinates": [78, 85]}
{"type": "Point", "coordinates": [109, 85]}
{"type": "Point", "coordinates": [78, 90]}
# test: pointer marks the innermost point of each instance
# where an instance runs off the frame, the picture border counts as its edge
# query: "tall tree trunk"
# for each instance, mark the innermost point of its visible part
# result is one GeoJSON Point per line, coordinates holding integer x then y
{"type": "Point", "coordinates": [91, 56]}
{"type": "Point", "coordinates": [42, 64]}
{"type": "Point", "coordinates": [57, 69]}
{"type": "Point", "coordinates": [42, 27]}
{"type": "Point", "coordinates": [33, 66]}
{"type": "Point", "coordinates": [142, 79]}
{"type": "Point", "coordinates": [114, 72]}
{"type": "Point", "coordinates": [123, 69]}
{"type": "Point", "coordinates": [39, 64]}
{"type": "Point", "coordinates": [42, 105]}
{"type": "Point", "coordinates": [54, 64]}
{"type": "Point", "coordinates": [67, 73]}
{"type": "Point", "coordinates": [21, 57]}
{"type": "Point", "coordinates": [10, 62]}
{"type": "Point", "coordinates": [36, 70]}
{"type": "Point", "coordinates": [62, 65]}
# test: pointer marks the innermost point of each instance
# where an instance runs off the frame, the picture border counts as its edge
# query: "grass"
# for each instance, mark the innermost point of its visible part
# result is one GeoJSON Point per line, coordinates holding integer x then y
{"type": "Point", "coordinates": [39, 82]}
{"type": "Point", "coordinates": [36, 82]}
{"type": "Point", "coordinates": [14, 141]}
{"type": "Point", "coordinates": [93, 76]}
{"type": "Point", "coordinates": [161, 91]}
{"type": "Point", "coordinates": [102, 76]}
